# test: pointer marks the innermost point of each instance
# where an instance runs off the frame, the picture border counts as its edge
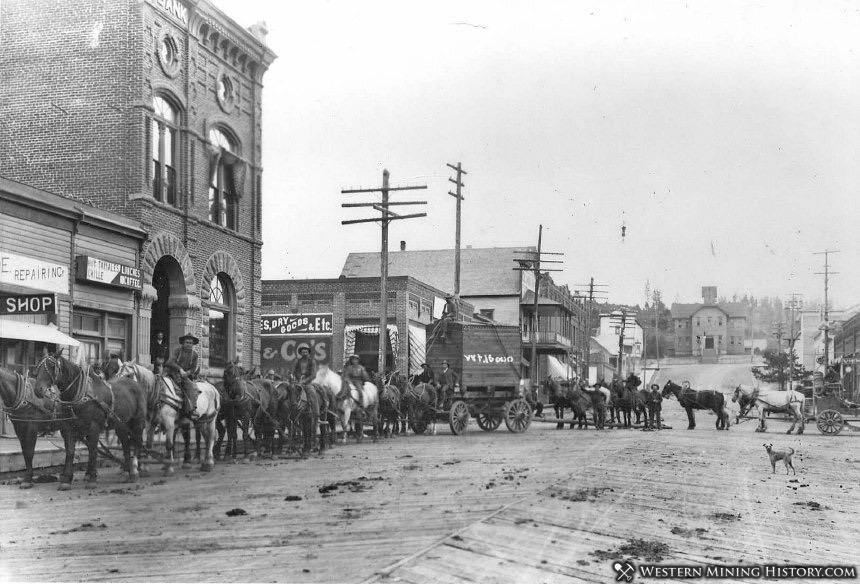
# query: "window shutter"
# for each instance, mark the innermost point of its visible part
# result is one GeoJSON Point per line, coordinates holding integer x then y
{"type": "Point", "coordinates": [239, 170]}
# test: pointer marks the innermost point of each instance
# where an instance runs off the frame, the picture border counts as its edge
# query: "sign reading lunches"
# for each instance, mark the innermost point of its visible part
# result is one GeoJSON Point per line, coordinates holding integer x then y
{"type": "Point", "coordinates": [101, 271]}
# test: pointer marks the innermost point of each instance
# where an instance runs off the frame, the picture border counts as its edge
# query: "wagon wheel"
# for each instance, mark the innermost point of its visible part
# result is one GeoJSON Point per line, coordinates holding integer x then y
{"type": "Point", "coordinates": [458, 417]}
{"type": "Point", "coordinates": [830, 422]}
{"type": "Point", "coordinates": [488, 422]}
{"type": "Point", "coordinates": [518, 415]}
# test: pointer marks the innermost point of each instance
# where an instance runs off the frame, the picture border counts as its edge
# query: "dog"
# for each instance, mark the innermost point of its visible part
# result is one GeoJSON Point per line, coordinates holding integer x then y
{"type": "Point", "coordinates": [784, 456]}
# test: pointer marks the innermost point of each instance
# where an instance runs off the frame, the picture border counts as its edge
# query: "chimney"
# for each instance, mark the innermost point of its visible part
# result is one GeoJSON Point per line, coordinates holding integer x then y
{"type": "Point", "coordinates": [709, 294]}
{"type": "Point", "coordinates": [259, 30]}
{"type": "Point", "coordinates": [402, 245]}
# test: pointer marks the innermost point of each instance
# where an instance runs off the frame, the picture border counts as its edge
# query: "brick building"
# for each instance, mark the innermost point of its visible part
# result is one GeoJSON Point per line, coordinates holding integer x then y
{"type": "Point", "coordinates": [709, 329]}
{"type": "Point", "coordinates": [150, 109]}
{"type": "Point", "coordinates": [338, 317]}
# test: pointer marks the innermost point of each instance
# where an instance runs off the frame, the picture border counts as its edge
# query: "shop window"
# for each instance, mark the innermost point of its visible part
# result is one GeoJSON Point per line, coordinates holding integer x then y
{"type": "Point", "coordinates": [227, 177]}
{"type": "Point", "coordinates": [100, 334]}
{"type": "Point", "coordinates": [488, 312]}
{"type": "Point", "coordinates": [221, 311]}
{"type": "Point", "coordinates": [164, 151]}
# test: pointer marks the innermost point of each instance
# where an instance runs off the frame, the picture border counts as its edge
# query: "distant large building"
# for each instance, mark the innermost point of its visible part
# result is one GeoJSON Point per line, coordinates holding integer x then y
{"type": "Point", "coordinates": [709, 329]}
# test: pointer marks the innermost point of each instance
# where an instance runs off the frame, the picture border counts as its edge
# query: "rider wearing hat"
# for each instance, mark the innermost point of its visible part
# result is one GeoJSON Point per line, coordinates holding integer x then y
{"type": "Point", "coordinates": [305, 368]}
{"type": "Point", "coordinates": [182, 368]}
{"type": "Point", "coordinates": [354, 374]}
{"type": "Point", "coordinates": [654, 401]}
{"type": "Point", "coordinates": [426, 376]}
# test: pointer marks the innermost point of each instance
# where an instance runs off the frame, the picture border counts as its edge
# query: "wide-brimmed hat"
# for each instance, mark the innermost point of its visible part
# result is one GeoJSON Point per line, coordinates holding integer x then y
{"type": "Point", "coordinates": [303, 347]}
{"type": "Point", "coordinates": [445, 363]}
{"type": "Point", "coordinates": [351, 357]}
{"type": "Point", "coordinates": [193, 339]}
{"type": "Point", "coordinates": [654, 385]}
{"type": "Point", "coordinates": [425, 365]}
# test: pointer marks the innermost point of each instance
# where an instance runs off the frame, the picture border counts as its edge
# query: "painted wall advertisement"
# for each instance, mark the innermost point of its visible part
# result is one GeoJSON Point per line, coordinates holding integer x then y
{"type": "Point", "coordinates": [281, 336]}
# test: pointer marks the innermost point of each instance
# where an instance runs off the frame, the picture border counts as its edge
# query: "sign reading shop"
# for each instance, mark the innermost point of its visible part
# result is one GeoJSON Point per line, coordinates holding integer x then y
{"type": "Point", "coordinates": [295, 324]}
{"type": "Point", "coordinates": [28, 304]}
{"type": "Point", "coordinates": [101, 271]}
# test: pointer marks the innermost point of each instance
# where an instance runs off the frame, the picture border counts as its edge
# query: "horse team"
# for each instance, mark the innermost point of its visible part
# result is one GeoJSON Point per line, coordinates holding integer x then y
{"type": "Point", "coordinates": [622, 399]}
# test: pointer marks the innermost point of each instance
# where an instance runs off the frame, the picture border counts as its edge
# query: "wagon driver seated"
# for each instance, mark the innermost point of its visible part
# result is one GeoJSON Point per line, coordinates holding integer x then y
{"type": "Point", "coordinates": [354, 376]}
{"type": "Point", "coordinates": [182, 368]}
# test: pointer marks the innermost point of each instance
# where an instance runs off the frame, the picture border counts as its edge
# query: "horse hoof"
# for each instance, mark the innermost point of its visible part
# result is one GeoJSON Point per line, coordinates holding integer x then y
{"type": "Point", "coordinates": [144, 472]}
{"type": "Point", "coordinates": [130, 478]}
{"type": "Point", "coordinates": [65, 487]}
{"type": "Point", "coordinates": [186, 465]}
{"type": "Point", "coordinates": [206, 467]}
{"type": "Point", "coordinates": [26, 485]}
{"type": "Point", "coordinates": [92, 485]}
{"type": "Point", "coordinates": [168, 472]}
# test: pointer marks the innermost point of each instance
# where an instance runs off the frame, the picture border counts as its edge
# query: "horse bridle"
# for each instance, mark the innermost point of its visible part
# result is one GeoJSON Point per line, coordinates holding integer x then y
{"type": "Point", "coordinates": [55, 371]}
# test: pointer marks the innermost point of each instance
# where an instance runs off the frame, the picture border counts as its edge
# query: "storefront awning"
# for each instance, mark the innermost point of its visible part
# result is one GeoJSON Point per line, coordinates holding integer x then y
{"type": "Point", "coordinates": [28, 331]}
{"type": "Point", "coordinates": [559, 370]}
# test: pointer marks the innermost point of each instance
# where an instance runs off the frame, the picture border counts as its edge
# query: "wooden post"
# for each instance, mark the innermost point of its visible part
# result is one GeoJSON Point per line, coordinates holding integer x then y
{"type": "Point", "coordinates": [533, 361]}
{"type": "Point", "coordinates": [459, 196]}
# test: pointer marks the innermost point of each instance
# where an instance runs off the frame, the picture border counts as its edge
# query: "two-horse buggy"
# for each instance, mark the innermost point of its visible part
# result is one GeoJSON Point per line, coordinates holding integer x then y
{"type": "Point", "coordinates": [831, 410]}
{"type": "Point", "coordinates": [486, 360]}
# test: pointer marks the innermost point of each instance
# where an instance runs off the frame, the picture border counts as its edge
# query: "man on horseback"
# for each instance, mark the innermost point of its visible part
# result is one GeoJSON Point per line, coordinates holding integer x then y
{"type": "Point", "coordinates": [354, 375]}
{"type": "Point", "coordinates": [305, 368]}
{"type": "Point", "coordinates": [182, 368]}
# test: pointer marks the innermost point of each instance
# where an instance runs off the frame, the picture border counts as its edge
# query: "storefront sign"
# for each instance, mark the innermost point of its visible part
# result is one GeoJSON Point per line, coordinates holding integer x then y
{"type": "Point", "coordinates": [31, 273]}
{"type": "Point", "coordinates": [280, 353]}
{"type": "Point", "coordinates": [295, 324]}
{"type": "Point", "coordinates": [28, 304]}
{"type": "Point", "coordinates": [92, 269]}
{"type": "Point", "coordinates": [175, 8]}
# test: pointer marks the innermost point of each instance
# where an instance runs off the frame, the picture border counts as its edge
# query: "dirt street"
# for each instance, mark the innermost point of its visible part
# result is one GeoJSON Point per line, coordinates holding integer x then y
{"type": "Point", "coordinates": [544, 506]}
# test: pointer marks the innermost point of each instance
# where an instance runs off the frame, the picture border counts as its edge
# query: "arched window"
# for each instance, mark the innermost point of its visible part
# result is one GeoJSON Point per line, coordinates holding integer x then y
{"type": "Point", "coordinates": [225, 173]}
{"type": "Point", "coordinates": [164, 151]}
{"type": "Point", "coordinates": [221, 303]}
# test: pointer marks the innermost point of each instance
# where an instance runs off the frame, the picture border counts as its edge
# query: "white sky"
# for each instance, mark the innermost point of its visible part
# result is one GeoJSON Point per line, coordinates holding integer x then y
{"type": "Point", "coordinates": [725, 135]}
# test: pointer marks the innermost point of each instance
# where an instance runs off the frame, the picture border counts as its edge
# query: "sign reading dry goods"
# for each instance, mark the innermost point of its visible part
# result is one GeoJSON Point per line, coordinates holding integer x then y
{"type": "Point", "coordinates": [28, 304]}
{"type": "Point", "coordinates": [32, 273]}
{"type": "Point", "coordinates": [295, 324]}
{"type": "Point", "coordinates": [102, 271]}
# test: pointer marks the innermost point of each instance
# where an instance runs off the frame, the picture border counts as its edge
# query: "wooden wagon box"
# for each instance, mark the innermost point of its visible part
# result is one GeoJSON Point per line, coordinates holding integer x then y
{"type": "Point", "coordinates": [486, 357]}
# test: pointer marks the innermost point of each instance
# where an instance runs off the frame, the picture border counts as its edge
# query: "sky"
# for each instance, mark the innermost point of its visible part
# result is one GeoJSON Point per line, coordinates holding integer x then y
{"type": "Point", "coordinates": [724, 136]}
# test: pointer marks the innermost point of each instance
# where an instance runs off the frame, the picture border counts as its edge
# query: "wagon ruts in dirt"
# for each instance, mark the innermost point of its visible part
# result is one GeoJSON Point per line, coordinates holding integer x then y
{"type": "Point", "coordinates": [832, 411]}
{"type": "Point", "coordinates": [485, 361]}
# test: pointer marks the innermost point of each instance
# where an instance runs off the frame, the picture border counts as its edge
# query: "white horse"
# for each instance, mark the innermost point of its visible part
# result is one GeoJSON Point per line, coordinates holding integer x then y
{"type": "Point", "coordinates": [362, 403]}
{"type": "Point", "coordinates": [769, 400]}
{"type": "Point", "coordinates": [164, 403]}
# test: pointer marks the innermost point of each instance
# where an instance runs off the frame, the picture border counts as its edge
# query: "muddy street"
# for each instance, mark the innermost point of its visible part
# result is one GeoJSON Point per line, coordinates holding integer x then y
{"type": "Point", "coordinates": [546, 505]}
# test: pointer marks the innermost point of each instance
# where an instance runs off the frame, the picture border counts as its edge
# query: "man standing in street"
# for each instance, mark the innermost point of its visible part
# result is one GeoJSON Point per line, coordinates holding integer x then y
{"type": "Point", "coordinates": [654, 402]}
{"type": "Point", "coordinates": [183, 368]}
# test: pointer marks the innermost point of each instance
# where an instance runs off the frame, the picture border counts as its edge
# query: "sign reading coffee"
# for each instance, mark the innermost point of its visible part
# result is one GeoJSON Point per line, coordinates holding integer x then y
{"type": "Point", "coordinates": [295, 324]}
{"type": "Point", "coordinates": [101, 271]}
{"type": "Point", "coordinates": [28, 304]}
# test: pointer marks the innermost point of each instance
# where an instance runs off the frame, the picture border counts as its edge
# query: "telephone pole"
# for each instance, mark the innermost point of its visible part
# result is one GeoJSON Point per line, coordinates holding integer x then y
{"type": "Point", "coordinates": [793, 304]}
{"type": "Point", "coordinates": [827, 273]}
{"type": "Point", "coordinates": [589, 310]}
{"type": "Point", "coordinates": [386, 216]}
{"type": "Point", "coordinates": [534, 258]}
{"type": "Point", "coordinates": [777, 332]}
{"type": "Point", "coordinates": [459, 196]}
{"type": "Point", "coordinates": [622, 323]}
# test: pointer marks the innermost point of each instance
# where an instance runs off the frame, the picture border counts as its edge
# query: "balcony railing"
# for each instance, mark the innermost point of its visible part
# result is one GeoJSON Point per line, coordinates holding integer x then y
{"type": "Point", "coordinates": [548, 338]}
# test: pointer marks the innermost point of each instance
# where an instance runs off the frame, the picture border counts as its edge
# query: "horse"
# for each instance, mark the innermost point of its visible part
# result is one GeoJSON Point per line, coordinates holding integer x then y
{"type": "Point", "coordinates": [247, 405]}
{"type": "Point", "coordinates": [164, 404]}
{"type": "Point", "coordinates": [623, 401]}
{"type": "Point", "coordinates": [30, 415]}
{"type": "Point", "coordinates": [691, 399]}
{"type": "Point", "coordinates": [767, 400]}
{"type": "Point", "coordinates": [601, 398]}
{"type": "Point", "coordinates": [349, 400]}
{"type": "Point", "coordinates": [308, 404]}
{"type": "Point", "coordinates": [420, 403]}
{"type": "Point", "coordinates": [558, 399]}
{"type": "Point", "coordinates": [96, 405]}
{"type": "Point", "coordinates": [389, 410]}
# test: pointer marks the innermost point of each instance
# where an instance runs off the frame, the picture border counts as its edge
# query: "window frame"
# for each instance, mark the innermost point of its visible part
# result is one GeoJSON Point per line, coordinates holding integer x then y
{"type": "Point", "coordinates": [227, 307]}
{"type": "Point", "coordinates": [223, 200]}
{"type": "Point", "coordinates": [165, 187]}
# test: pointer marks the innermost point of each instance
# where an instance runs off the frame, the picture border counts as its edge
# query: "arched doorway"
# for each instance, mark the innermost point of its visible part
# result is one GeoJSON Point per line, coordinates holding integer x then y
{"type": "Point", "coordinates": [168, 281]}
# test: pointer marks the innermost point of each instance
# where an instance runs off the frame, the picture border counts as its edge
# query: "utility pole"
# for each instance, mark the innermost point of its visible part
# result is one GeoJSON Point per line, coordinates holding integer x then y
{"type": "Point", "coordinates": [777, 332]}
{"type": "Point", "coordinates": [386, 216]}
{"type": "Point", "coordinates": [793, 304]}
{"type": "Point", "coordinates": [459, 196]}
{"type": "Point", "coordinates": [534, 258]}
{"type": "Point", "coordinates": [827, 273]}
{"type": "Point", "coordinates": [657, 328]}
{"type": "Point", "coordinates": [589, 310]}
{"type": "Point", "coordinates": [622, 322]}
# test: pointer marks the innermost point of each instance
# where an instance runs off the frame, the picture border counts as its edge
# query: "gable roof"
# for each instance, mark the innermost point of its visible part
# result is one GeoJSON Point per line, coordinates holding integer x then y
{"type": "Point", "coordinates": [483, 271]}
{"type": "Point", "coordinates": [731, 309]}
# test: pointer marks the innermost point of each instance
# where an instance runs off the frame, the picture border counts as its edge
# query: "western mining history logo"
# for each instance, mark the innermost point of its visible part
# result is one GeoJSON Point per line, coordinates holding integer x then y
{"type": "Point", "coordinates": [626, 571]}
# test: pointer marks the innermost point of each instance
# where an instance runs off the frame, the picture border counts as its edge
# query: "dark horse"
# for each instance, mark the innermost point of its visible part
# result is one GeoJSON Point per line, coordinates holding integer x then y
{"type": "Point", "coordinates": [690, 400]}
{"type": "Point", "coordinates": [30, 415]}
{"type": "Point", "coordinates": [95, 406]}
{"type": "Point", "coordinates": [246, 404]}
{"type": "Point", "coordinates": [567, 397]}
{"type": "Point", "coordinates": [623, 401]}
